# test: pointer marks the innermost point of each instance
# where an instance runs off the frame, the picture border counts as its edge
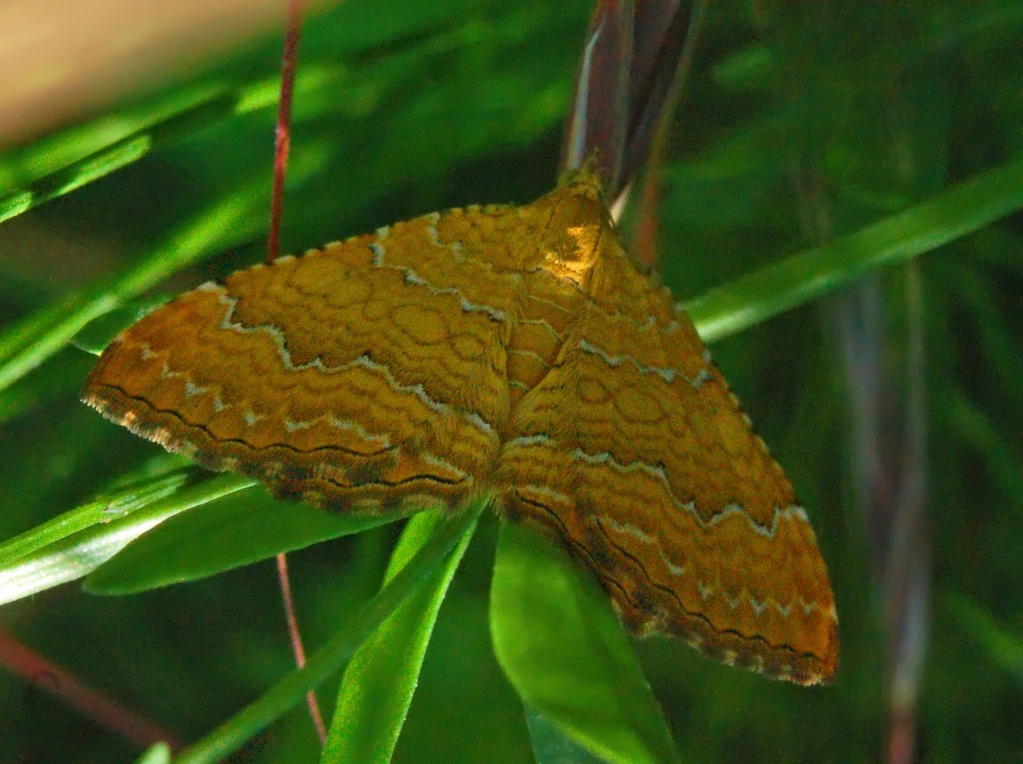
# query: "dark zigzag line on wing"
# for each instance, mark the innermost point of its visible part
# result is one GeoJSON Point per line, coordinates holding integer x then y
{"type": "Point", "coordinates": [660, 472]}
{"type": "Point", "coordinates": [693, 614]}
{"type": "Point", "coordinates": [284, 446]}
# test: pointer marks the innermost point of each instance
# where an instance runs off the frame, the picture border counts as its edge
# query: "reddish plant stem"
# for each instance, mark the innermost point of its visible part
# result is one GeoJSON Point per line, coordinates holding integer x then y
{"type": "Point", "coordinates": [296, 643]}
{"type": "Point", "coordinates": [289, 60]}
{"type": "Point", "coordinates": [105, 712]}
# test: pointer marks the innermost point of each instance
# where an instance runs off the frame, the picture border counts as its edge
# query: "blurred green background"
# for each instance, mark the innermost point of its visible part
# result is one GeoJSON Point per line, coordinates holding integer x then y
{"type": "Point", "coordinates": [405, 107]}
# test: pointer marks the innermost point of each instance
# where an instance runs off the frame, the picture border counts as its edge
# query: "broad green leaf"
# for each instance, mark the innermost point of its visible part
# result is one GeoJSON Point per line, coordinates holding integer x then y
{"type": "Point", "coordinates": [429, 562]}
{"type": "Point", "coordinates": [379, 682]}
{"type": "Point", "coordinates": [227, 534]}
{"type": "Point", "coordinates": [565, 653]}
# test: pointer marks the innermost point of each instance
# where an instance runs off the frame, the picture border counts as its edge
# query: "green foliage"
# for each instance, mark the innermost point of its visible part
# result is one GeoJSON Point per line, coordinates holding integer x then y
{"type": "Point", "coordinates": [564, 652]}
{"type": "Point", "coordinates": [907, 119]}
{"type": "Point", "coordinates": [381, 678]}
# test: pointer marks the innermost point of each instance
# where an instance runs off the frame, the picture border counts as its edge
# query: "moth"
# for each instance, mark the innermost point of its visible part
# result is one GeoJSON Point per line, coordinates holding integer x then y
{"type": "Point", "coordinates": [513, 352]}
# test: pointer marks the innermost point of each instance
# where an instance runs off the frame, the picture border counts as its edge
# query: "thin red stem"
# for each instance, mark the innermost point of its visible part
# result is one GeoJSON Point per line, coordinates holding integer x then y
{"type": "Point", "coordinates": [289, 62]}
{"type": "Point", "coordinates": [292, 35]}
{"type": "Point", "coordinates": [106, 712]}
{"type": "Point", "coordinates": [296, 643]}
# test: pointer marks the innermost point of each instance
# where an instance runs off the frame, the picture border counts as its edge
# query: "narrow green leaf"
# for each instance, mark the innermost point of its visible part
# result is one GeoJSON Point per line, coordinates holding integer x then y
{"type": "Point", "coordinates": [227, 534]}
{"type": "Point", "coordinates": [429, 561]}
{"type": "Point", "coordinates": [379, 682]}
{"type": "Point", "coordinates": [111, 505]}
{"type": "Point", "coordinates": [77, 543]}
{"type": "Point", "coordinates": [235, 215]}
{"type": "Point", "coordinates": [77, 175]}
{"type": "Point", "coordinates": [52, 162]}
{"type": "Point", "coordinates": [30, 342]}
{"type": "Point", "coordinates": [805, 276]}
{"type": "Point", "coordinates": [27, 343]}
{"type": "Point", "coordinates": [565, 653]}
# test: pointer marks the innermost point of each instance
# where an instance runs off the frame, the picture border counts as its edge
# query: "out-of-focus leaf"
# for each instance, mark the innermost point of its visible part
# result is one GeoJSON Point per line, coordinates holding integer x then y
{"type": "Point", "coordinates": [806, 276]}
{"type": "Point", "coordinates": [156, 754]}
{"type": "Point", "coordinates": [1004, 648]}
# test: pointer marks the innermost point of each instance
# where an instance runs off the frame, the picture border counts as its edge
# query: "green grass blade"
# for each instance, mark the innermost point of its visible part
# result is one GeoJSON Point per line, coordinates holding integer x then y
{"type": "Point", "coordinates": [42, 163]}
{"type": "Point", "coordinates": [240, 530]}
{"type": "Point", "coordinates": [77, 543]}
{"type": "Point", "coordinates": [382, 676]}
{"type": "Point", "coordinates": [566, 654]}
{"type": "Point", "coordinates": [429, 561]}
{"type": "Point", "coordinates": [24, 345]}
{"type": "Point", "coordinates": [75, 176]}
{"type": "Point", "coordinates": [70, 160]}
{"type": "Point", "coordinates": [237, 215]}
{"type": "Point", "coordinates": [111, 505]}
{"type": "Point", "coordinates": [37, 338]}
{"type": "Point", "coordinates": [803, 277]}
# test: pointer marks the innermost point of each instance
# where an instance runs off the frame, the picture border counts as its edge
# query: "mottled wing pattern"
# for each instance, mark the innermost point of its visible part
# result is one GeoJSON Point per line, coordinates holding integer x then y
{"type": "Point", "coordinates": [511, 349]}
{"type": "Point", "coordinates": [368, 374]}
{"type": "Point", "coordinates": [633, 452]}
